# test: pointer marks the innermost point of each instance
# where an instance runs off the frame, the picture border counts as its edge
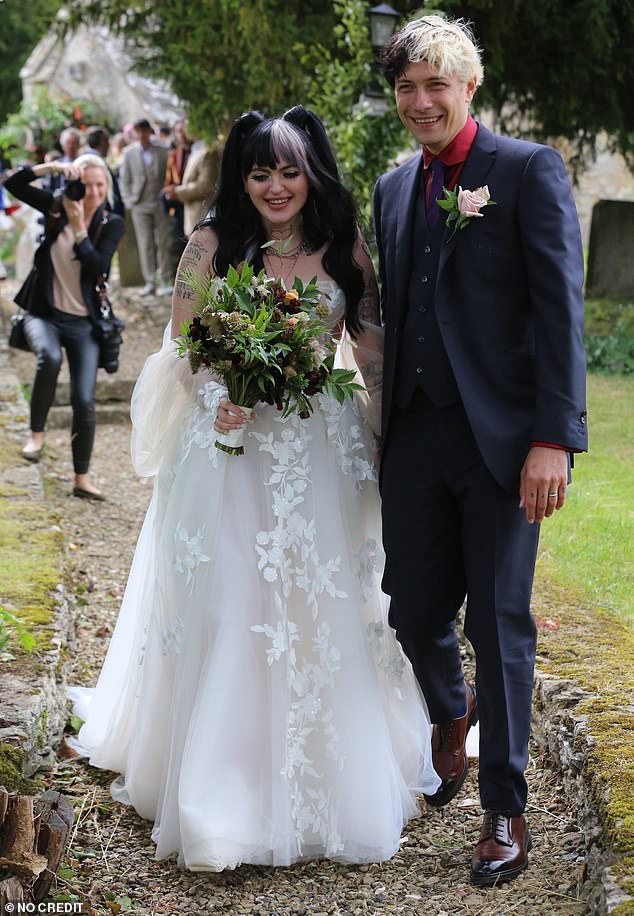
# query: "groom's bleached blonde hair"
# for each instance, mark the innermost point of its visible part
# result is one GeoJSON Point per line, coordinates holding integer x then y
{"type": "Point", "coordinates": [448, 45]}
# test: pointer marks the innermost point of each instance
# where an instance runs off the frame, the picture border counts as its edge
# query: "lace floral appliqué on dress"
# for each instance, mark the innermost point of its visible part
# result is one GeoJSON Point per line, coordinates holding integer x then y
{"type": "Point", "coordinates": [254, 698]}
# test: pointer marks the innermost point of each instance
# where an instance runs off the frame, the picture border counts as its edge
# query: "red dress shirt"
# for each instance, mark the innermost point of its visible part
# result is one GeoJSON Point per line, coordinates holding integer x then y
{"type": "Point", "coordinates": [453, 155]}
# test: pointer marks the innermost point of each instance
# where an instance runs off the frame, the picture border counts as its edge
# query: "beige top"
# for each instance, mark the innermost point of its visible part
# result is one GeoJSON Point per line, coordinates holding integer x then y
{"type": "Point", "coordinates": [67, 296]}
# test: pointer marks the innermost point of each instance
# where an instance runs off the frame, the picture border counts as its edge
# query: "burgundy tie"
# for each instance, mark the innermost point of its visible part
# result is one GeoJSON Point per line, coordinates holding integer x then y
{"type": "Point", "coordinates": [434, 190]}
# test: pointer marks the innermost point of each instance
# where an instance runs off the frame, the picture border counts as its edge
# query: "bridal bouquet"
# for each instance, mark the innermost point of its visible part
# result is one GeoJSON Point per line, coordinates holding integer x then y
{"type": "Point", "coordinates": [267, 343]}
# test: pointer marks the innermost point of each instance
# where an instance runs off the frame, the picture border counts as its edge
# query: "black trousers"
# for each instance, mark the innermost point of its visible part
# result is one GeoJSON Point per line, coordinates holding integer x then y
{"type": "Point", "coordinates": [450, 532]}
{"type": "Point", "coordinates": [46, 337]}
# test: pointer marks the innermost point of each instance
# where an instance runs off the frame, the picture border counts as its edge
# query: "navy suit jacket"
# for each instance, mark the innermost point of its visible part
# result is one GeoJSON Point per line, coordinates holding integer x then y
{"type": "Point", "coordinates": [508, 299]}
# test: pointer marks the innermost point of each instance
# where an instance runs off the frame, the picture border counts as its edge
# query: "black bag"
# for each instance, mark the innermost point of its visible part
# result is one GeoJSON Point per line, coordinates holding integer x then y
{"type": "Point", "coordinates": [17, 337]}
{"type": "Point", "coordinates": [107, 330]}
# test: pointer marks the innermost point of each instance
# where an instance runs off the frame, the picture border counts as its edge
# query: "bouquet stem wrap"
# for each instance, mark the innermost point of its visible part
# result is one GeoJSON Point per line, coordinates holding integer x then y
{"type": "Point", "coordinates": [233, 442]}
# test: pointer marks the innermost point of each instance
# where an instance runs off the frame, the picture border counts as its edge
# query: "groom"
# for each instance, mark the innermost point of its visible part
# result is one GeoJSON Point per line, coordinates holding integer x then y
{"type": "Point", "coordinates": [484, 400]}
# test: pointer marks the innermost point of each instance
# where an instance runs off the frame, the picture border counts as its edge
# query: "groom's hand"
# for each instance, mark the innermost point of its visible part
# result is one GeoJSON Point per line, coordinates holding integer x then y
{"type": "Point", "coordinates": [543, 482]}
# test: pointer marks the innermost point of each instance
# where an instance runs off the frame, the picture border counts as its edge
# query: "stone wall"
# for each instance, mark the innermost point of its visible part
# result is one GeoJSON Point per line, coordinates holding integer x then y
{"type": "Point", "coordinates": [32, 687]}
{"type": "Point", "coordinates": [562, 730]}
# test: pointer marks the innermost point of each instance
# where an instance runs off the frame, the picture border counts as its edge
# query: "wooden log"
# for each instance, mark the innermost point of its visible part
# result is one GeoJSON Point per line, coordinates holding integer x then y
{"type": "Point", "coordinates": [9, 828]}
{"type": "Point", "coordinates": [33, 839]}
{"type": "Point", "coordinates": [11, 891]}
{"type": "Point", "coordinates": [54, 816]}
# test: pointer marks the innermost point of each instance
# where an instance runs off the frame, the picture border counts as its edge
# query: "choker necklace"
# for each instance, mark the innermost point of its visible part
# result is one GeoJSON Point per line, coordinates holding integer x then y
{"type": "Point", "coordinates": [286, 275]}
{"type": "Point", "coordinates": [302, 248]}
{"type": "Point", "coordinates": [279, 248]}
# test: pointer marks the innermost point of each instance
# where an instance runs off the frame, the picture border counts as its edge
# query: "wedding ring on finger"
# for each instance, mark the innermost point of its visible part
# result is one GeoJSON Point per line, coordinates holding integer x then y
{"type": "Point", "coordinates": [553, 495]}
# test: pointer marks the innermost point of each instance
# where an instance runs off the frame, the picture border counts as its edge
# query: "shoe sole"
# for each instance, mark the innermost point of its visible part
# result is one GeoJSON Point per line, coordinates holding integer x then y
{"type": "Point", "coordinates": [501, 877]}
{"type": "Point", "coordinates": [457, 786]}
{"type": "Point", "coordinates": [86, 494]}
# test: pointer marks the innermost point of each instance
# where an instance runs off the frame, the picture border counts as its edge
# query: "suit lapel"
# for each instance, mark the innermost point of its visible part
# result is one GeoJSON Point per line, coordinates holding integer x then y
{"type": "Point", "coordinates": [405, 208]}
{"type": "Point", "coordinates": [474, 175]}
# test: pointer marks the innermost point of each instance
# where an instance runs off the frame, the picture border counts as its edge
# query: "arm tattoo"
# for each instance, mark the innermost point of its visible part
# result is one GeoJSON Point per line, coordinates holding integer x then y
{"type": "Point", "coordinates": [369, 304]}
{"type": "Point", "coordinates": [372, 373]}
{"type": "Point", "coordinates": [369, 309]}
{"type": "Point", "coordinates": [193, 254]}
{"type": "Point", "coordinates": [183, 291]}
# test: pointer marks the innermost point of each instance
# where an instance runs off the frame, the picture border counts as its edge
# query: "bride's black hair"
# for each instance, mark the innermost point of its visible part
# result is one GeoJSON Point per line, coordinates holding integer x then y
{"type": "Point", "coordinates": [329, 215]}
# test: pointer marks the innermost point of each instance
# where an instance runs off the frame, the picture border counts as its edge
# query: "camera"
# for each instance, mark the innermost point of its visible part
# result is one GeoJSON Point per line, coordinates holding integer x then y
{"type": "Point", "coordinates": [108, 334]}
{"type": "Point", "coordinates": [75, 189]}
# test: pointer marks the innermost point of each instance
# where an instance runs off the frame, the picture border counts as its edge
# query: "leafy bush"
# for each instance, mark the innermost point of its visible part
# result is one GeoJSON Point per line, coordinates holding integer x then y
{"type": "Point", "coordinates": [609, 336]}
{"type": "Point", "coordinates": [40, 121]}
{"type": "Point", "coordinates": [12, 629]}
{"type": "Point", "coordinates": [366, 134]}
{"type": "Point", "coordinates": [8, 243]}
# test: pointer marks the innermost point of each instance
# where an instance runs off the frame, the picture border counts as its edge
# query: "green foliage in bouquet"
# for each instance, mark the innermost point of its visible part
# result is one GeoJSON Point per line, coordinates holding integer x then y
{"type": "Point", "coordinates": [267, 343]}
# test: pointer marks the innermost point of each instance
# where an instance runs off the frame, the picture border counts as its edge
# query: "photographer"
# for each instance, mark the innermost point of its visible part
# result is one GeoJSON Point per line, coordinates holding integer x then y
{"type": "Point", "coordinates": [61, 297]}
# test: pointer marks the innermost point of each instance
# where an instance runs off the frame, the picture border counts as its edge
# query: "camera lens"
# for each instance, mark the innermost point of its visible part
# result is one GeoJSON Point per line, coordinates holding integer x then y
{"type": "Point", "coordinates": [74, 190]}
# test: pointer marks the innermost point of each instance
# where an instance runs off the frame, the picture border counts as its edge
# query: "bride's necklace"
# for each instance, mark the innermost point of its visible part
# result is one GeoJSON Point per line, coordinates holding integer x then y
{"type": "Point", "coordinates": [285, 272]}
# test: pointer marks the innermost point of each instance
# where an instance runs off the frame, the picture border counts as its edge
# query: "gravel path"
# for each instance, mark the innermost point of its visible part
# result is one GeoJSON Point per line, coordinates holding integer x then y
{"type": "Point", "coordinates": [110, 862]}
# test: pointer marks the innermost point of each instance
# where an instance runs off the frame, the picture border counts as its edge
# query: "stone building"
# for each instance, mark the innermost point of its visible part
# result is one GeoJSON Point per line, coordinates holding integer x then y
{"type": "Point", "coordinates": [93, 64]}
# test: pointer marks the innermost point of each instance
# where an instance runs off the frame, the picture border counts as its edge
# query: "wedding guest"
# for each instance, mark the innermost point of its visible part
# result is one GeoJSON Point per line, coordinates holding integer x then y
{"type": "Point", "coordinates": [483, 403]}
{"type": "Point", "coordinates": [62, 301]}
{"type": "Point", "coordinates": [165, 136]}
{"type": "Point", "coordinates": [194, 190]}
{"type": "Point", "coordinates": [174, 171]}
{"type": "Point", "coordinates": [141, 177]}
{"type": "Point", "coordinates": [98, 143]}
{"type": "Point", "coordinates": [118, 143]}
{"type": "Point", "coordinates": [70, 141]}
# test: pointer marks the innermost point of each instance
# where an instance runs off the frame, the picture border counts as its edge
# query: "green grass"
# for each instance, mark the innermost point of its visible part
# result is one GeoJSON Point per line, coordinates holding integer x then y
{"type": "Point", "coordinates": [588, 545]}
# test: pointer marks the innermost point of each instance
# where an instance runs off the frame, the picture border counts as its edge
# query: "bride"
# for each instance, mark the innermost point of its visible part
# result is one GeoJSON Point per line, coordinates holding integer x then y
{"type": "Point", "coordinates": [254, 699]}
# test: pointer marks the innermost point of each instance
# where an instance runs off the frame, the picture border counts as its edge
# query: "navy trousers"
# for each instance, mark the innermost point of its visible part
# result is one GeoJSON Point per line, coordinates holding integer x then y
{"type": "Point", "coordinates": [450, 532]}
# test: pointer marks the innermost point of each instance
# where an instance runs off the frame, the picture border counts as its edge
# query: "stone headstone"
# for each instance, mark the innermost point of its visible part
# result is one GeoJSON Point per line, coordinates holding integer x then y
{"type": "Point", "coordinates": [611, 250]}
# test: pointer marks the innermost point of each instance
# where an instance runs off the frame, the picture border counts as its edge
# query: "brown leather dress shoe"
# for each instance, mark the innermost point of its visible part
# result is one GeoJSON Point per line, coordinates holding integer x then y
{"type": "Point", "coordinates": [502, 850]}
{"type": "Point", "coordinates": [449, 755]}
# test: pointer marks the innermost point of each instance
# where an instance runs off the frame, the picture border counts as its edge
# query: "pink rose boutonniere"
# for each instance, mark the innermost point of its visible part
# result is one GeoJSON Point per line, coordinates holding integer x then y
{"type": "Point", "coordinates": [463, 205]}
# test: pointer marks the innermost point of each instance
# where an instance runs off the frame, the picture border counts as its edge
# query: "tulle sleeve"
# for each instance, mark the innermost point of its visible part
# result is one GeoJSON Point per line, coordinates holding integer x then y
{"type": "Point", "coordinates": [162, 398]}
{"type": "Point", "coordinates": [365, 352]}
{"type": "Point", "coordinates": [365, 355]}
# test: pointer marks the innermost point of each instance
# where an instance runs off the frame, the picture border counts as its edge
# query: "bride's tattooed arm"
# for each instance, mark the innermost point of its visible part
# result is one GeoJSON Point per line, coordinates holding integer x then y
{"type": "Point", "coordinates": [198, 256]}
{"type": "Point", "coordinates": [369, 309]}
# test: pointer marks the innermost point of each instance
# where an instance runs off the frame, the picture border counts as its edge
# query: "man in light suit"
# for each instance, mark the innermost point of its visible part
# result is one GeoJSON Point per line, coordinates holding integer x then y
{"type": "Point", "coordinates": [196, 188]}
{"type": "Point", "coordinates": [141, 178]}
{"type": "Point", "coordinates": [483, 403]}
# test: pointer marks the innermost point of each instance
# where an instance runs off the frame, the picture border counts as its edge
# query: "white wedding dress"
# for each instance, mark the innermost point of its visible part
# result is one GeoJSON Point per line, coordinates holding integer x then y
{"type": "Point", "coordinates": [254, 698]}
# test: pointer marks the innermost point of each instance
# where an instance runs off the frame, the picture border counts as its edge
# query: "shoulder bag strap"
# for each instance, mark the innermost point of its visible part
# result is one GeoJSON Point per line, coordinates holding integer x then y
{"type": "Point", "coordinates": [102, 286]}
